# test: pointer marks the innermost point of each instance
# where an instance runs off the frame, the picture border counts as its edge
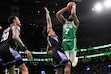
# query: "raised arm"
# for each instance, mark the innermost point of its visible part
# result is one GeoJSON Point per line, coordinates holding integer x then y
{"type": "Point", "coordinates": [60, 16]}
{"type": "Point", "coordinates": [48, 20]}
{"type": "Point", "coordinates": [74, 16]}
{"type": "Point", "coordinates": [49, 24]}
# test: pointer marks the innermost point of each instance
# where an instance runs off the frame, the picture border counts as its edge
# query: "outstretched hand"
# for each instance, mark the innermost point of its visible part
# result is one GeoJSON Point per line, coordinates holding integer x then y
{"type": "Point", "coordinates": [73, 9]}
{"type": "Point", "coordinates": [46, 9]}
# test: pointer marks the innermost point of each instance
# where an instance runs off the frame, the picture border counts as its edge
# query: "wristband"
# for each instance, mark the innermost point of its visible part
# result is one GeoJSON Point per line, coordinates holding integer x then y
{"type": "Point", "coordinates": [24, 48]}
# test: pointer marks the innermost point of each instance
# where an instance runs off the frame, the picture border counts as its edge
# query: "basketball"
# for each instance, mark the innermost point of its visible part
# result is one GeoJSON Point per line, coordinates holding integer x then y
{"type": "Point", "coordinates": [70, 4]}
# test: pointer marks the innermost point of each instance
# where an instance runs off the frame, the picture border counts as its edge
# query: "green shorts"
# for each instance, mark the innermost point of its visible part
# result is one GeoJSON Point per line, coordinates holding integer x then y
{"type": "Point", "coordinates": [69, 44]}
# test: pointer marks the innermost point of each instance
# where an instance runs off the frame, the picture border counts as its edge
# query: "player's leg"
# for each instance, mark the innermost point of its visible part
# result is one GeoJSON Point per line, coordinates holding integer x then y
{"type": "Point", "coordinates": [73, 58]}
{"type": "Point", "coordinates": [58, 71]}
{"type": "Point", "coordinates": [11, 70]}
{"type": "Point", "coordinates": [73, 53]}
{"type": "Point", "coordinates": [67, 69]}
{"type": "Point", "coordinates": [23, 69]}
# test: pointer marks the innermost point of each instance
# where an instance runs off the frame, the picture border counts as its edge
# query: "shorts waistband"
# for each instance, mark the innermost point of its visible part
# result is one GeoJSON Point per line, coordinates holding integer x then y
{"type": "Point", "coordinates": [68, 39]}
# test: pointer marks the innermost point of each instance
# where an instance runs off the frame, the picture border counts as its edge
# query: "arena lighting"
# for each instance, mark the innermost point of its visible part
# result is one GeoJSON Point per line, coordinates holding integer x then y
{"type": "Point", "coordinates": [97, 7]}
{"type": "Point", "coordinates": [100, 5]}
{"type": "Point", "coordinates": [88, 68]}
{"type": "Point", "coordinates": [94, 48]}
{"type": "Point", "coordinates": [37, 59]}
{"type": "Point", "coordinates": [33, 52]}
{"type": "Point", "coordinates": [107, 3]}
{"type": "Point", "coordinates": [109, 66]}
{"type": "Point", "coordinates": [38, 11]}
{"type": "Point", "coordinates": [42, 72]}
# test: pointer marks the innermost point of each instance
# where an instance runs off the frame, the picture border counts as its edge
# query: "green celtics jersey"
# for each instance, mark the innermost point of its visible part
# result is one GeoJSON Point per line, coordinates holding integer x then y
{"type": "Point", "coordinates": [69, 30]}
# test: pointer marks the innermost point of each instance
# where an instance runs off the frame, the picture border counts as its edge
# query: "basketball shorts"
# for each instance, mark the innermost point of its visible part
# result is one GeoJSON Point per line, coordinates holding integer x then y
{"type": "Point", "coordinates": [59, 57]}
{"type": "Point", "coordinates": [69, 44]}
{"type": "Point", "coordinates": [9, 56]}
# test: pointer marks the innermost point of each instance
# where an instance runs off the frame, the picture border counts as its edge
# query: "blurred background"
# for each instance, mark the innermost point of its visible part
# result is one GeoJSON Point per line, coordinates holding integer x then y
{"type": "Point", "coordinates": [94, 29]}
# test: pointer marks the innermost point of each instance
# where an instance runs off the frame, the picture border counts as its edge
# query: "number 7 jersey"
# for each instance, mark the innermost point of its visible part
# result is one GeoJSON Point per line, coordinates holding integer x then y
{"type": "Point", "coordinates": [69, 30]}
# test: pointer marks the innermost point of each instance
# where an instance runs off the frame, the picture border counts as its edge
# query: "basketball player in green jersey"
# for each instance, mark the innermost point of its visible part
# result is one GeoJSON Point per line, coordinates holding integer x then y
{"type": "Point", "coordinates": [70, 27]}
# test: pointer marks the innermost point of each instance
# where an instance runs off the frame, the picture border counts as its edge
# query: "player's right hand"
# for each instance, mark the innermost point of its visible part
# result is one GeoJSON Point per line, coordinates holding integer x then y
{"type": "Point", "coordinates": [29, 55]}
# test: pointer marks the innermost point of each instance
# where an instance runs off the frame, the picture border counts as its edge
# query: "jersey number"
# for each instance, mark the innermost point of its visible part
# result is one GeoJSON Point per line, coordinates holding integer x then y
{"type": "Point", "coordinates": [5, 36]}
{"type": "Point", "coordinates": [66, 31]}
